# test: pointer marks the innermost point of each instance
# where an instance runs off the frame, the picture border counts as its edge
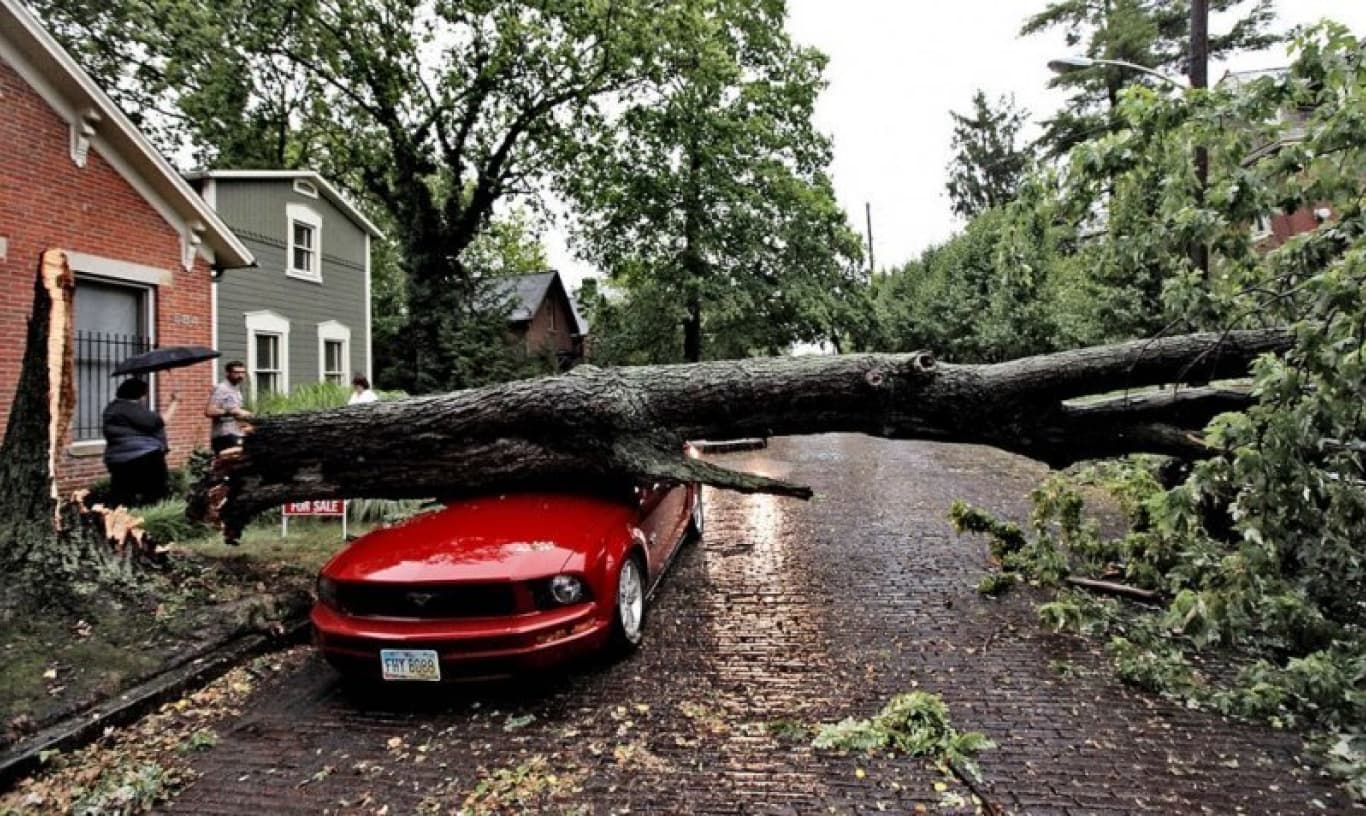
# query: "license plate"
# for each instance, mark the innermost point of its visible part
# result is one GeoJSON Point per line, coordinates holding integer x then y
{"type": "Point", "coordinates": [409, 664]}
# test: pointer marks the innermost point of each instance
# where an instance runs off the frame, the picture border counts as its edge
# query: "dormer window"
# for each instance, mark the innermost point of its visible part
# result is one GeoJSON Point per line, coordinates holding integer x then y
{"type": "Point", "coordinates": [306, 188]}
{"type": "Point", "coordinates": [303, 247]}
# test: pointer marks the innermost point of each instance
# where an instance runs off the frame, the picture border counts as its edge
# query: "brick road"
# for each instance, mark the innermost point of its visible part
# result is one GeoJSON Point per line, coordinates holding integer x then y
{"type": "Point", "coordinates": [786, 612]}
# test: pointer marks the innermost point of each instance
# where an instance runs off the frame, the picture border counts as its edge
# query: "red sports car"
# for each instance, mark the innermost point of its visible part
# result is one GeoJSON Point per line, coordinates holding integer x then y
{"type": "Point", "coordinates": [495, 585]}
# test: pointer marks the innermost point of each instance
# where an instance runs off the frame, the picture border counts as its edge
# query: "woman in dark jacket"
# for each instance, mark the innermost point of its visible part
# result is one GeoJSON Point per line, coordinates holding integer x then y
{"type": "Point", "coordinates": [135, 446]}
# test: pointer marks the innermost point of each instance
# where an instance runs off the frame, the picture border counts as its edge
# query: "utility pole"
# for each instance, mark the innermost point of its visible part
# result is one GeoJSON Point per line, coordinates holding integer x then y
{"type": "Point", "coordinates": [1199, 78]}
{"type": "Point", "coordinates": [868, 218]}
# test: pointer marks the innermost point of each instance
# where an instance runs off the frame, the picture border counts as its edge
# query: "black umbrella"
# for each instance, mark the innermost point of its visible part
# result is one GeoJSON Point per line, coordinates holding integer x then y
{"type": "Point", "coordinates": [164, 358]}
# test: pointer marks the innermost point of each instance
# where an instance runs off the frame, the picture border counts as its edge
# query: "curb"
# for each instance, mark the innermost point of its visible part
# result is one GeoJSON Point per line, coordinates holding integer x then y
{"type": "Point", "coordinates": [730, 445]}
{"type": "Point", "coordinates": [85, 727]}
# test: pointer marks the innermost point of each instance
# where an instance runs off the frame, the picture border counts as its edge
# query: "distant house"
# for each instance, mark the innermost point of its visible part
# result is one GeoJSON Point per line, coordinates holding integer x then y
{"type": "Point", "coordinates": [1275, 228]}
{"type": "Point", "coordinates": [303, 314]}
{"type": "Point", "coordinates": [543, 317]}
{"type": "Point", "coordinates": [76, 175]}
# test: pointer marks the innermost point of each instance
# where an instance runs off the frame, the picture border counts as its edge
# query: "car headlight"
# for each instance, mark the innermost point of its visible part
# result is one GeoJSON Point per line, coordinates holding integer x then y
{"type": "Point", "coordinates": [566, 589]}
{"type": "Point", "coordinates": [327, 591]}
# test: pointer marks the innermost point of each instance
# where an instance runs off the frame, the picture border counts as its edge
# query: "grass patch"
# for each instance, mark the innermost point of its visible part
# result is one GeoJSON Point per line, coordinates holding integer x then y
{"type": "Point", "coordinates": [309, 545]}
{"type": "Point", "coordinates": [48, 663]}
{"type": "Point", "coordinates": [54, 662]}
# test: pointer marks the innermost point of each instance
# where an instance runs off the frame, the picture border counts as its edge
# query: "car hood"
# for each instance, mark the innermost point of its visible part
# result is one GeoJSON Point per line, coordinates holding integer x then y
{"type": "Point", "coordinates": [488, 538]}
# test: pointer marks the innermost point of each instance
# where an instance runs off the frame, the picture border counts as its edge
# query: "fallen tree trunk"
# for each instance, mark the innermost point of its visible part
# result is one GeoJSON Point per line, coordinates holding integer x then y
{"type": "Point", "coordinates": [630, 423]}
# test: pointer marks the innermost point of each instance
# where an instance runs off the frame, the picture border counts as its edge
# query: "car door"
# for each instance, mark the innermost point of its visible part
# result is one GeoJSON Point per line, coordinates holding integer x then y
{"type": "Point", "coordinates": [664, 517]}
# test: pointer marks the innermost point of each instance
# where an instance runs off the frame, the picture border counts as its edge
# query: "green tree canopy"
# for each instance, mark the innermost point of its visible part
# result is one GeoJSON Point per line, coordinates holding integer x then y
{"type": "Point", "coordinates": [1151, 33]}
{"type": "Point", "coordinates": [434, 110]}
{"type": "Point", "coordinates": [988, 162]}
{"type": "Point", "coordinates": [708, 197]}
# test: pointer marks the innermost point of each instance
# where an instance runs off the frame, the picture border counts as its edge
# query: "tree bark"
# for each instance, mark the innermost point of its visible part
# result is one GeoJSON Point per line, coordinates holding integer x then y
{"type": "Point", "coordinates": [43, 403]}
{"type": "Point", "coordinates": [42, 539]}
{"type": "Point", "coordinates": [630, 423]}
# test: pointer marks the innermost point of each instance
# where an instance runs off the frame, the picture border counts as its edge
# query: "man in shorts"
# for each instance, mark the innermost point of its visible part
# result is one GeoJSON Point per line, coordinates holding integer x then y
{"type": "Point", "coordinates": [225, 408]}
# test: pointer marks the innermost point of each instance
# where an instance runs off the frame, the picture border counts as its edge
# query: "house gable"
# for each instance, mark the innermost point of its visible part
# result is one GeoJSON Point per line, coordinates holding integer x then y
{"type": "Point", "coordinates": [92, 123]}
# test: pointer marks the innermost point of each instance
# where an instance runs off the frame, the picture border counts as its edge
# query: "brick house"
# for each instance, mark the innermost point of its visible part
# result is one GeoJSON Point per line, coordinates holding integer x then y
{"type": "Point", "coordinates": [543, 319]}
{"type": "Point", "coordinates": [1275, 228]}
{"type": "Point", "coordinates": [76, 175]}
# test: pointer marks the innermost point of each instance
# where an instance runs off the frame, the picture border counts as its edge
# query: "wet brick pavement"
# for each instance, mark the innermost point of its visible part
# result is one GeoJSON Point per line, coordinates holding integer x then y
{"type": "Point", "coordinates": [787, 612]}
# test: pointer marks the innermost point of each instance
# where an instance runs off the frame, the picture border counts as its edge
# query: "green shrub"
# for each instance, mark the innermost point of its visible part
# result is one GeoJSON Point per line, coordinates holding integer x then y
{"type": "Point", "coordinates": [166, 522]}
{"type": "Point", "coordinates": [384, 511]}
{"type": "Point", "coordinates": [308, 397]}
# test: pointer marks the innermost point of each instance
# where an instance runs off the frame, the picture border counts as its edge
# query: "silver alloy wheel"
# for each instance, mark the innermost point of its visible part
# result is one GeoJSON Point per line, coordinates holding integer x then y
{"type": "Point", "coordinates": [631, 601]}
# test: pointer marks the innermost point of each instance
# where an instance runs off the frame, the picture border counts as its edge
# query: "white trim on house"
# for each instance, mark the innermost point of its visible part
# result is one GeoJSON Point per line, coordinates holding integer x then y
{"type": "Point", "coordinates": [213, 313]}
{"type": "Point", "coordinates": [369, 329]}
{"type": "Point", "coordinates": [118, 270]}
{"type": "Point", "coordinates": [304, 187]}
{"type": "Point", "coordinates": [133, 276]}
{"type": "Point", "coordinates": [299, 213]}
{"type": "Point", "coordinates": [96, 121]}
{"type": "Point", "coordinates": [324, 186]}
{"type": "Point", "coordinates": [267, 322]}
{"type": "Point", "coordinates": [336, 332]}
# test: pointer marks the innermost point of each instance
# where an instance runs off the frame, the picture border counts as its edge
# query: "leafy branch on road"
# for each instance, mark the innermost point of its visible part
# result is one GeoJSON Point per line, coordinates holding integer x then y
{"type": "Point", "coordinates": [915, 724]}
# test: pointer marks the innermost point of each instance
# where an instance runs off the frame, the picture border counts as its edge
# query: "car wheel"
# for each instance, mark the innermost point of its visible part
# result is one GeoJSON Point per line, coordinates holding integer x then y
{"type": "Point", "coordinates": [628, 619]}
{"type": "Point", "coordinates": [697, 519]}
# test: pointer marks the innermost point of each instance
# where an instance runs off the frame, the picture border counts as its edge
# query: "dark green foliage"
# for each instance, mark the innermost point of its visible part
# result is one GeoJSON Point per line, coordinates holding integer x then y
{"type": "Point", "coordinates": [1151, 33]}
{"type": "Point", "coordinates": [996, 583]}
{"type": "Point", "coordinates": [988, 166]}
{"type": "Point", "coordinates": [707, 201]}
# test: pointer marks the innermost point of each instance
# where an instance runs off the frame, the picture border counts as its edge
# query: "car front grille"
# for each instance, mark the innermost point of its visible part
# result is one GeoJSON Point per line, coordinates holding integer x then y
{"type": "Point", "coordinates": [428, 602]}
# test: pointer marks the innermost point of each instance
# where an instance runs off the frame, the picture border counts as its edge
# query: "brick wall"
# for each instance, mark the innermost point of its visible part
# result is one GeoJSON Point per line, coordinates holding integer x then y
{"type": "Point", "coordinates": [540, 335]}
{"type": "Point", "coordinates": [46, 202]}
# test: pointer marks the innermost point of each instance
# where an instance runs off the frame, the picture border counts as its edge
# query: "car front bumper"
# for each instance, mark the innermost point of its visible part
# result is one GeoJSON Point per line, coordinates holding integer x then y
{"type": "Point", "coordinates": [468, 649]}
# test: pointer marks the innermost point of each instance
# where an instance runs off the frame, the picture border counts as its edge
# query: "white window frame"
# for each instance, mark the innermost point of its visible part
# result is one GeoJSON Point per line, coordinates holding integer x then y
{"type": "Point", "coordinates": [1262, 227]}
{"type": "Point", "coordinates": [267, 322]}
{"type": "Point", "coordinates": [299, 214]}
{"type": "Point", "coordinates": [305, 188]}
{"type": "Point", "coordinates": [136, 276]}
{"type": "Point", "coordinates": [335, 332]}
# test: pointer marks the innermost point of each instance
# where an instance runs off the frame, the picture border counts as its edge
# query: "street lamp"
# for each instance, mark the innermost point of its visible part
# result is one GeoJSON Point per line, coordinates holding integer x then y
{"type": "Point", "coordinates": [1067, 65]}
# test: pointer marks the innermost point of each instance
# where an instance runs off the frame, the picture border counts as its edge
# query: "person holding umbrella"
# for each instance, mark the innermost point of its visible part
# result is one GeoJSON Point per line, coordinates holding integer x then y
{"type": "Point", "coordinates": [135, 446]}
{"type": "Point", "coordinates": [135, 435]}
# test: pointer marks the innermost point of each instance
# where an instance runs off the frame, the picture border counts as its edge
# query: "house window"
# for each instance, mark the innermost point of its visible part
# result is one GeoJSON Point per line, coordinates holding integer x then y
{"type": "Point", "coordinates": [303, 249]}
{"type": "Point", "coordinates": [334, 352]}
{"type": "Point", "coordinates": [1261, 227]}
{"type": "Point", "coordinates": [267, 353]}
{"type": "Point", "coordinates": [111, 324]}
{"type": "Point", "coordinates": [305, 188]}
{"type": "Point", "coordinates": [334, 367]}
{"type": "Point", "coordinates": [268, 374]}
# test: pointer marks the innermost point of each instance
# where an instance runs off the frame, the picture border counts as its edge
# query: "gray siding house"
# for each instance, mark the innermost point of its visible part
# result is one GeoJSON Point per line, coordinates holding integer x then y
{"type": "Point", "coordinates": [302, 315]}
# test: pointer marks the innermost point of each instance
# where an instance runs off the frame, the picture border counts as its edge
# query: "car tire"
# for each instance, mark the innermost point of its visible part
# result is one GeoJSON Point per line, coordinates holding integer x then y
{"type": "Point", "coordinates": [628, 610]}
{"type": "Point", "coordinates": [697, 519]}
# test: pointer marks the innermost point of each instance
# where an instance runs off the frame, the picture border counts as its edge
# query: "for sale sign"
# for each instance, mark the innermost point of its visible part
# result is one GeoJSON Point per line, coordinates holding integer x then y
{"type": "Point", "coordinates": [316, 507]}
{"type": "Point", "coordinates": [335, 508]}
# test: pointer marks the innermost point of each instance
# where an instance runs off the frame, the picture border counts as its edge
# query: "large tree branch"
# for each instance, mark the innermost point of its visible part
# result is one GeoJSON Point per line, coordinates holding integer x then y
{"type": "Point", "coordinates": [630, 423]}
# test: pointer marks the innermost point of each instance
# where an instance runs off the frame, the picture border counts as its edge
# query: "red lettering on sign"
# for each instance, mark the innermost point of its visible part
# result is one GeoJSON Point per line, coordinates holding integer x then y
{"type": "Point", "coordinates": [316, 507]}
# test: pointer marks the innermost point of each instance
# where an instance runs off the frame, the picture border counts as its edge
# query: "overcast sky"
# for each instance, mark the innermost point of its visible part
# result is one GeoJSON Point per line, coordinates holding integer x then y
{"type": "Point", "coordinates": [896, 70]}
